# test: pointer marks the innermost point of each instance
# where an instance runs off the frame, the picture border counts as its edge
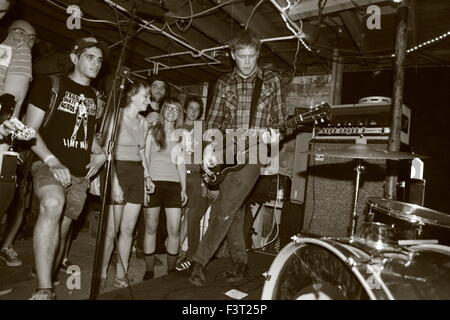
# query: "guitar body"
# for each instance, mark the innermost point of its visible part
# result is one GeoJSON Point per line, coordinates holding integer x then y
{"type": "Point", "coordinates": [218, 173]}
{"type": "Point", "coordinates": [213, 176]}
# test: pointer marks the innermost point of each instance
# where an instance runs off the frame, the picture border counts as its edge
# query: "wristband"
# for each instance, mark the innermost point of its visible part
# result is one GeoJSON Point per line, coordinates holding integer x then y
{"type": "Point", "coordinates": [49, 157]}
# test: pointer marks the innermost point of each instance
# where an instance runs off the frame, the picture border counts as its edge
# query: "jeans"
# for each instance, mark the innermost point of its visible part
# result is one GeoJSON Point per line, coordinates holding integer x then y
{"type": "Point", "coordinates": [197, 205]}
{"type": "Point", "coordinates": [227, 218]}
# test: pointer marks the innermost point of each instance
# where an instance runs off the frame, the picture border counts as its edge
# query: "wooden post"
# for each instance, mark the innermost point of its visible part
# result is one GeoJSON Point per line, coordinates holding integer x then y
{"type": "Point", "coordinates": [390, 189]}
{"type": "Point", "coordinates": [336, 79]}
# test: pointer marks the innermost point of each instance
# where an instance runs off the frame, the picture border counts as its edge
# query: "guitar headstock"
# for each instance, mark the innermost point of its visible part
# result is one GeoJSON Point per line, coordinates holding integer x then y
{"type": "Point", "coordinates": [320, 112]}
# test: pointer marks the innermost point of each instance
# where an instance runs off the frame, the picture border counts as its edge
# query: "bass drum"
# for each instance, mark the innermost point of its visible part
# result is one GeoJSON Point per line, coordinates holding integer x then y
{"type": "Point", "coordinates": [349, 269]}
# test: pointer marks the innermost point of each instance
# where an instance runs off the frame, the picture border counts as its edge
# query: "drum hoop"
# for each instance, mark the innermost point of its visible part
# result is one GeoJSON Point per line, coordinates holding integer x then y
{"type": "Point", "coordinates": [411, 218]}
{"type": "Point", "coordinates": [432, 247]}
{"type": "Point", "coordinates": [269, 285]}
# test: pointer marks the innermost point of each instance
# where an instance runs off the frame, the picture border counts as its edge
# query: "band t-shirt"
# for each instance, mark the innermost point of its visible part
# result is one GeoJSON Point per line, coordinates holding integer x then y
{"type": "Point", "coordinates": [70, 130]}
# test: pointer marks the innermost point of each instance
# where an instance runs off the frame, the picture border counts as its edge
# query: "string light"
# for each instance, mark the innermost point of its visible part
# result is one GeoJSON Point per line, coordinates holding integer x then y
{"type": "Point", "coordinates": [426, 43]}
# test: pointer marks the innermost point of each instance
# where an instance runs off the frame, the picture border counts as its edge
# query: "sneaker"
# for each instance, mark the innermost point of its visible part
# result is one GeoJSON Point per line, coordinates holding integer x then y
{"type": "Point", "coordinates": [56, 280]}
{"type": "Point", "coordinates": [11, 257]}
{"type": "Point", "coordinates": [4, 289]}
{"type": "Point", "coordinates": [121, 283]}
{"type": "Point", "coordinates": [43, 294]}
{"type": "Point", "coordinates": [184, 264]}
{"type": "Point", "coordinates": [65, 264]}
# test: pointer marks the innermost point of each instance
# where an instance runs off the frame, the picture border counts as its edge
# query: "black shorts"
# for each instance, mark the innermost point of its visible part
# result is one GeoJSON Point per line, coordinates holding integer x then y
{"type": "Point", "coordinates": [131, 179]}
{"type": "Point", "coordinates": [167, 194]}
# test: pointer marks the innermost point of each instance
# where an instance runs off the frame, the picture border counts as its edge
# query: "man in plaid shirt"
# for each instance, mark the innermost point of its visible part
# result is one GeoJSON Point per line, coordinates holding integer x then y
{"type": "Point", "coordinates": [231, 108]}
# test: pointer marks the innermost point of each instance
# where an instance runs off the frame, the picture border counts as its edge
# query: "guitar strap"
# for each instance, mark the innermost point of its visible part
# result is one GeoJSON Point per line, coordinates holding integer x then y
{"type": "Point", "coordinates": [255, 98]}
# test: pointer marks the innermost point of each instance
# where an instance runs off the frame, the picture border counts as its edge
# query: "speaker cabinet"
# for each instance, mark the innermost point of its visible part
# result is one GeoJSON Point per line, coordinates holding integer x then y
{"type": "Point", "coordinates": [331, 186]}
{"type": "Point", "coordinates": [299, 172]}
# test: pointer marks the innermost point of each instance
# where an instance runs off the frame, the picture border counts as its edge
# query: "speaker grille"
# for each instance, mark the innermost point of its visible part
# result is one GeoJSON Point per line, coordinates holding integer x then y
{"type": "Point", "coordinates": [330, 190]}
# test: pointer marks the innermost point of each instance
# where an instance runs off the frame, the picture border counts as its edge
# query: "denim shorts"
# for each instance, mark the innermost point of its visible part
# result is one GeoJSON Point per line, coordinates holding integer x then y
{"type": "Point", "coordinates": [75, 194]}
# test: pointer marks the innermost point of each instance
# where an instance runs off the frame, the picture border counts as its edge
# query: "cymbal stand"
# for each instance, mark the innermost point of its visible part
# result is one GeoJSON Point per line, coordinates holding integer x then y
{"type": "Point", "coordinates": [360, 168]}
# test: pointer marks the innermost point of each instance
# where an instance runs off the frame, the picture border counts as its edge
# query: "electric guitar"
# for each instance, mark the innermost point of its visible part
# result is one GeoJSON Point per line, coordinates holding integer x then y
{"type": "Point", "coordinates": [213, 175]}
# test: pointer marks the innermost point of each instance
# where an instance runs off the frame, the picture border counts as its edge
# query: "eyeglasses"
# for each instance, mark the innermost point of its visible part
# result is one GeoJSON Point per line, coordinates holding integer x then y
{"type": "Point", "coordinates": [172, 108]}
{"type": "Point", "coordinates": [21, 32]}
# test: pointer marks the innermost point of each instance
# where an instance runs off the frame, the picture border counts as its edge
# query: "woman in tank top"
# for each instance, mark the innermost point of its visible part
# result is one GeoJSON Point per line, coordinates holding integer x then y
{"type": "Point", "coordinates": [168, 190]}
{"type": "Point", "coordinates": [130, 176]}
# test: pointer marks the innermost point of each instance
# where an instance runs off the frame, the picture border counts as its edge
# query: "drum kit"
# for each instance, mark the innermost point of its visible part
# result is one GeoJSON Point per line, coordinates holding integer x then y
{"type": "Point", "coordinates": [399, 251]}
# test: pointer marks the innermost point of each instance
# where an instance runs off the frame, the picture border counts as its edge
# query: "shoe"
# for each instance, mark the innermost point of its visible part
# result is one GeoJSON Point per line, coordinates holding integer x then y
{"type": "Point", "coordinates": [197, 277]}
{"type": "Point", "coordinates": [183, 265]}
{"type": "Point", "coordinates": [65, 264]}
{"type": "Point", "coordinates": [121, 283]}
{"type": "Point", "coordinates": [56, 280]}
{"type": "Point", "coordinates": [4, 289]}
{"type": "Point", "coordinates": [237, 273]}
{"type": "Point", "coordinates": [43, 294]}
{"type": "Point", "coordinates": [148, 275]}
{"type": "Point", "coordinates": [11, 257]}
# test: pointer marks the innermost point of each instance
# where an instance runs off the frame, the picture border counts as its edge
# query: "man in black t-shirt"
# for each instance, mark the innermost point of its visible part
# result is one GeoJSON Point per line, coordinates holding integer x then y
{"type": "Point", "coordinates": [68, 157]}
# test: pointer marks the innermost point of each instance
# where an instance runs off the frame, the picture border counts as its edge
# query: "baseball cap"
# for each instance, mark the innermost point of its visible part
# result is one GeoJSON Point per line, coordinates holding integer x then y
{"type": "Point", "coordinates": [88, 42]}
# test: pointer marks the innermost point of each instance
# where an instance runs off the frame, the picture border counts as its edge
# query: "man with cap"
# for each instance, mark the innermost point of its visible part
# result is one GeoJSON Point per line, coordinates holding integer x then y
{"type": "Point", "coordinates": [15, 77]}
{"type": "Point", "coordinates": [66, 161]}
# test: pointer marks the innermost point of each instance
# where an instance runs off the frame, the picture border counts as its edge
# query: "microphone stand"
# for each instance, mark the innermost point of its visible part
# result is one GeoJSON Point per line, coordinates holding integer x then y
{"type": "Point", "coordinates": [122, 72]}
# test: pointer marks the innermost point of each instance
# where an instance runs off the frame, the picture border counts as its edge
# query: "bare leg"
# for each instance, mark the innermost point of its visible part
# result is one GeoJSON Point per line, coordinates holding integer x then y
{"type": "Point", "coordinates": [46, 232]}
{"type": "Point", "coordinates": [173, 216]}
{"type": "Point", "coordinates": [127, 225]}
{"type": "Point", "coordinates": [151, 226]}
{"type": "Point", "coordinates": [12, 231]}
{"type": "Point", "coordinates": [183, 228]}
{"type": "Point", "coordinates": [64, 232]}
{"type": "Point", "coordinates": [113, 223]}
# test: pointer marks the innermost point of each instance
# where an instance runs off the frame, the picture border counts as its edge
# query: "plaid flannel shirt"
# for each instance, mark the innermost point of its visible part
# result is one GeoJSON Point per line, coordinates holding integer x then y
{"type": "Point", "coordinates": [231, 103]}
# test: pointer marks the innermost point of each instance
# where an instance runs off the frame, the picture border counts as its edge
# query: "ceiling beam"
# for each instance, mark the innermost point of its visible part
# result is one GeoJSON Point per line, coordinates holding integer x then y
{"type": "Point", "coordinates": [212, 26]}
{"type": "Point", "coordinates": [137, 49]}
{"type": "Point", "coordinates": [262, 29]}
{"type": "Point", "coordinates": [310, 8]}
{"type": "Point", "coordinates": [355, 29]}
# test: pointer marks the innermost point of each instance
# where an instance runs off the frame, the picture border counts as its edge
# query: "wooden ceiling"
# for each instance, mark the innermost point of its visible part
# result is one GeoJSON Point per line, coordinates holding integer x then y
{"type": "Point", "coordinates": [190, 49]}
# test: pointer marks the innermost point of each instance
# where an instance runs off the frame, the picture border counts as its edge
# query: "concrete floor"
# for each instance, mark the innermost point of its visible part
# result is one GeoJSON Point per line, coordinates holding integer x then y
{"type": "Point", "coordinates": [81, 254]}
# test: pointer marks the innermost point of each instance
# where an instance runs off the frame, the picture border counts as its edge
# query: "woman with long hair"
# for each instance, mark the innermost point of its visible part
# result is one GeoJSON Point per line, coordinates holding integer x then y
{"type": "Point", "coordinates": [168, 184]}
{"type": "Point", "coordinates": [129, 179]}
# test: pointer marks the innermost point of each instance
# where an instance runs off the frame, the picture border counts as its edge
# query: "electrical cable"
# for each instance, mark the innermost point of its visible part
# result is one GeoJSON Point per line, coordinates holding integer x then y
{"type": "Point", "coordinates": [190, 20]}
{"type": "Point", "coordinates": [196, 15]}
{"type": "Point", "coordinates": [253, 12]}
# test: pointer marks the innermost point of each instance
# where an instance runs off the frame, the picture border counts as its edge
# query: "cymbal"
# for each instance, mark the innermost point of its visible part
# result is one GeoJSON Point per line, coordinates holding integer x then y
{"type": "Point", "coordinates": [364, 151]}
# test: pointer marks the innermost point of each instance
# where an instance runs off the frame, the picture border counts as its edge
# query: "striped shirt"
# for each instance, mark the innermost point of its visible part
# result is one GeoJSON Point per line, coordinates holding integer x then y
{"type": "Point", "coordinates": [19, 62]}
{"type": "Point", "coordinates": [231, 103]}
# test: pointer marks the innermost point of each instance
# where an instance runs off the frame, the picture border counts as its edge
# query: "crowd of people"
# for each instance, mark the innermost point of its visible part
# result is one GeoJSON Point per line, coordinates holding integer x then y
{"type": "Point", "coordinates": [150, 174]}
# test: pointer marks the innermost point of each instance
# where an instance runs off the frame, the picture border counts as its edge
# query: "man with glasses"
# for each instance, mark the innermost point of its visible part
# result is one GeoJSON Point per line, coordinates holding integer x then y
{"type": "Point", "coordinates": [15, 77]}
